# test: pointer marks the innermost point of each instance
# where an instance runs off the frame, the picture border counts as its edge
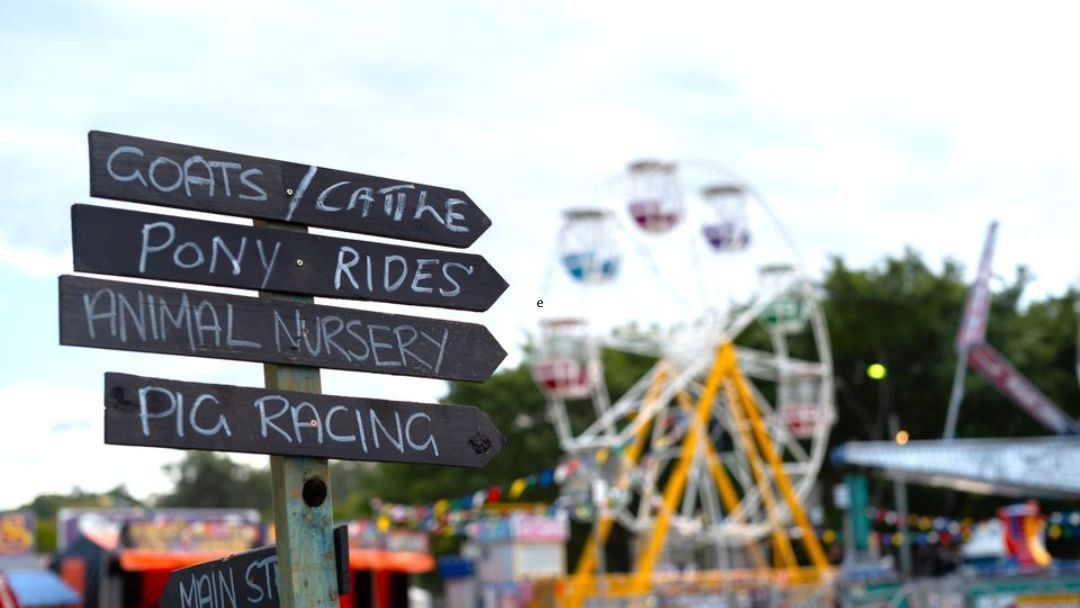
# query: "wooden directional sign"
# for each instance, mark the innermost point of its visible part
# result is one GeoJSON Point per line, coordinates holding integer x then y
{"type": "Point", "coordinates": [161, 173]}
{"type": "Point", "coordinates": [130, 243]}
{"type": "Point", "coordinates": [164, 413]}
{"type": "Point", "coordinates": [244, 580]}
{"type": "Point", "coordinates": [150, 318]}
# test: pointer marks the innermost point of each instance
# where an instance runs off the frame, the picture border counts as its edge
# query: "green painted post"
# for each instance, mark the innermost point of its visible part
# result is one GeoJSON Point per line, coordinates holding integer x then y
{"type": "Point", "coordinates": [303, 510]}
{"type": "Point", "coordinates": [859, 496]}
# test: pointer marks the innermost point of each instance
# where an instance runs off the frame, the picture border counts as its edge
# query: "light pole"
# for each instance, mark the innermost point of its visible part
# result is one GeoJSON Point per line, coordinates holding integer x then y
{"type": "Point", "coordinates": [878, 373]}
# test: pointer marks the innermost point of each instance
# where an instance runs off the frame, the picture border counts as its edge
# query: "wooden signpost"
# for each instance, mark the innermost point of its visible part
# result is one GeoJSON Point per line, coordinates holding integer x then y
{"type": "Point", "coordinates": [152, 246]}
{"type": "Point", "coordinates": [288, 419]}
{"type": "Point", "coordinates": [154, 319]}
{"type": "Point", "coordinates": [173, 175]}
{"type": "Point", "coordinates": [244, 580]}
{"type": "Point", "coordinates": [192, 416]}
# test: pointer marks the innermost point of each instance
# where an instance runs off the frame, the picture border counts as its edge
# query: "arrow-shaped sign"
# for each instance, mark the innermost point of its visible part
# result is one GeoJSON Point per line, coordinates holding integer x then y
{"type": "Point", "coordinates": [151, 318]}
{"type": "Point", "coordinates": [186, 415]}
{"type": "Point", "coordinates": [152, 246]}
{"type": "Point", "coordinates": [244, 580]}
{"type": "Point", "coordinates": [160, 173]}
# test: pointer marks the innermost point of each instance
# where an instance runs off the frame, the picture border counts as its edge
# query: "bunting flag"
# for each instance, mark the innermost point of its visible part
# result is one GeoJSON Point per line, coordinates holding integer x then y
{"type": "Point", "coordinates": [449, 516]}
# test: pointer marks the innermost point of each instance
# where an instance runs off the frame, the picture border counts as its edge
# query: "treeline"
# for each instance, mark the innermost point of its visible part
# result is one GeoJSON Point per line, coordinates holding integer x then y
{"type": "Point", "coordinates": [899, 313]}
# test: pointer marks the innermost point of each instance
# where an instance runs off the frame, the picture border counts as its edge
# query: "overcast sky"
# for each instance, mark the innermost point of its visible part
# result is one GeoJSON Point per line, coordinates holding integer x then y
{"type": "Point", "coordinates": [866, 128]}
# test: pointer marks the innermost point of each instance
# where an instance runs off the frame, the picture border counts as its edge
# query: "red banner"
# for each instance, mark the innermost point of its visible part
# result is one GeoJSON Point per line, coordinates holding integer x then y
{"type": "Point", "coordinates": [977, 310]}
{"type": "Point", "coordinates": [988, 362]}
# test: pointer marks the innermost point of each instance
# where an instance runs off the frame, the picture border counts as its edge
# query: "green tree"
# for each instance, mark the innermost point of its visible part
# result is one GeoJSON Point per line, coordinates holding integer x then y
{"type": "Point", "coordinates": [510, 398]}
{"type": "Point", "coordinates": [904, 315]}
{"type": "Point", "coordinates": [207, 479]}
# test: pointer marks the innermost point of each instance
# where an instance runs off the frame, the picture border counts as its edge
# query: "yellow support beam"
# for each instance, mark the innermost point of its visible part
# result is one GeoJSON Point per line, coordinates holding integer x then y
{"type": "Point", "coordinates": [642, 578]}
{"type": "Point", "coordinates": [783, 552]}
{"type": "Point", "coordinates": [810, 541]}
{"type": "Point", "coordinates": [723, 481]}
{"type": "Point", "coordinates": [754, 438]}
{"type": "Point", "coordinates": [583, 573]}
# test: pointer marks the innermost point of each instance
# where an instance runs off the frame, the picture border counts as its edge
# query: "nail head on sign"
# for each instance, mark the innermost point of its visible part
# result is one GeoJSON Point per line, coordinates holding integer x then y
{"type": "Point", "coordinates": [289, 191]}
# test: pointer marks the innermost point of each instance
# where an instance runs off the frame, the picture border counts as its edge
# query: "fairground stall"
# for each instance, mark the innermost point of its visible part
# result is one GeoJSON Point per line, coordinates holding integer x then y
{"type": "Point", "coordinates": [25, 582]}
{"type": "Point", "coordinates": [122, 558]}
{"type": "Point", "coordinates": [515, 556]}
{"type": "Point", "coordinates": [382, 565]}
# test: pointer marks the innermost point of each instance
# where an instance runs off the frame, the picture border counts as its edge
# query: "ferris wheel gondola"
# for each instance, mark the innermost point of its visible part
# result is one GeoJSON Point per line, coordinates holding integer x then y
{"type": "Point", "coordinates": [655, 202]}
{"type": "Point", "coordinates": [566, 364]}
{"type": "Point", "coordinates": [587, 246]}
{"type": "Point", "coordinates": [728, 230]}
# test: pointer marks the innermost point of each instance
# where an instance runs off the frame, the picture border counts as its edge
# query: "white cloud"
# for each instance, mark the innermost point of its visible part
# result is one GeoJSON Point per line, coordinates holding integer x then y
{"type": "Point", "coordinates": [55, 442]}
{"type": "Point", "coordinates": [865, 127]}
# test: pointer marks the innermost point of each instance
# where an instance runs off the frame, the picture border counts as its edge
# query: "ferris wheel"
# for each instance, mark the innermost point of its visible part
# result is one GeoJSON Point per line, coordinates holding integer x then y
{"type": "Point", "coordinates": [717, 447]}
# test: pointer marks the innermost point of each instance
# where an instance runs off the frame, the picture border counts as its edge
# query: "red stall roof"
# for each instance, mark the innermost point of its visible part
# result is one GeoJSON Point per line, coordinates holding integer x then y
{"type": "Point", "coordinates": [397, 561]}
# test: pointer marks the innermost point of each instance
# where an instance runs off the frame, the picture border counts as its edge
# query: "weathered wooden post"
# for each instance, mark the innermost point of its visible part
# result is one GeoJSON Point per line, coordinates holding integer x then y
{"type": "Point", "coordinates": [288, 418]}
{"type": "Point", "coordinates": [303, 509]}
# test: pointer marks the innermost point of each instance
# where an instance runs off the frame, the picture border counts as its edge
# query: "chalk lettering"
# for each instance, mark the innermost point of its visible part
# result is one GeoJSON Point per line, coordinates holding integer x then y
{"type": "Point", "coordinates": [230, 340]}
{"type": "Point", "coordinates": [430, 441]}
{"type": "Point", "coordinates": [189, 415]}
{"type": "Point", "coordinates": [265, 584]}
{"type": "Point", "coordinates": [161, 160]}
{"type": "Point", "coordinates": [187, 593]}
{"type": "Point", "coordinates": [189, 179]}
{"type": "Point", "coordinates": [245, 178]}
{"type": "Point", "coordinates": [364, 195]}
{"type": "Point", "coordinates": [90, 306]}
{"type": "Point", "coordinates": [206, 321]}
{"type": "Point", "coordinates": [452, 215]}
{"type": "Point", "coordinates": [267, 265]}
{"type": "Point", "coordinates": [180, 320]}
{"type": "Point", "coordinates": [376, 345]}
{"type": "Point", "coordinates": [390, 259]}
{"type": "Point", "coordinates": [173, 405]}
{"type": "Point", "coordinates": [135, 175]}
{"type": "Point", "coordinates": [345, 267]}
{"type": "Point", "coordinates": [446, 273]}
{"type": "Point", "coordinates": [146, 248]}
{"type": "Point", "coordinates": [218, 243]}
{"type": "Point", "coordinates": [137, 320]}
{"type": "Point", "coordinates": [225, 166]}
{"type": "Point", "coordinates": [222, 423]}
{"type": "Point", "coordinates": [398, 443]}
{"type": "Point", "coordinates": [306, 421]}
{"type": "Point", "coordinates": [196, 261]}
{"type": "Point", "coordinates": [320, 203]}
{"type": "Point", "coordinates": [147, 171]}
{"type": "Point", "coordinates": [330, 428]}
{"type": "Point", "coordinates": [421, 275]}
{"type": "Point", "coordinates": [149, 318]}
{"type": "Point", "coordinates": [267, 423]}
{"type": "Point", "coordinates": [298, 193]}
